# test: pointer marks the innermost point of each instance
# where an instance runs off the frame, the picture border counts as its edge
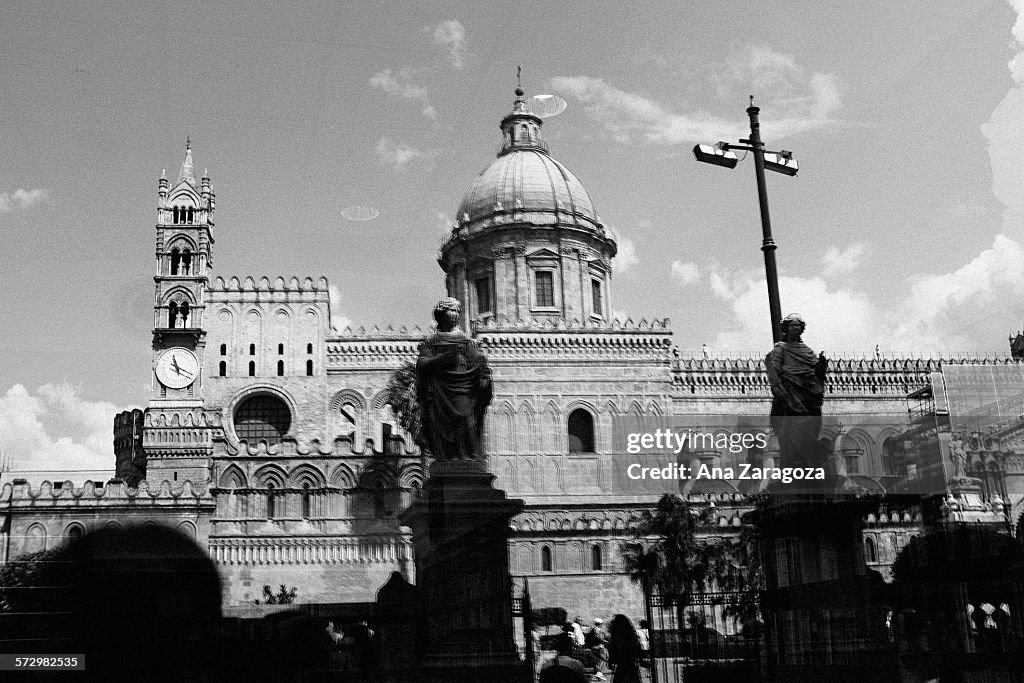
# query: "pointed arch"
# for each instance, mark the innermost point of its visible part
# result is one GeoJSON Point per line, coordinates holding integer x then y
{"type": "Point", "coordinates": [232, 478]}
{"type": "Point", "coordinates": [35, 538]}
{"type": "Point", "coordinates": [506, 431]}
{"type": "Point", "coordinates": [306, 474]}
{"type": "Point", "coordinates": [377, 476]}
{"type": "Point", "coordinates": [179, 294]}
{"type": "Point", "coordinates": [411, 476]}
{"type": "Point", "coordinates": [270, 474]}
{"type": "Point", "coordinates": [342, 477]}
{"type": "Point", "coordinates": [527, 426]}
{"type": "Point", "coordinates": [653, 408]}
{"type": "Point", "coordinates": [551, 428]}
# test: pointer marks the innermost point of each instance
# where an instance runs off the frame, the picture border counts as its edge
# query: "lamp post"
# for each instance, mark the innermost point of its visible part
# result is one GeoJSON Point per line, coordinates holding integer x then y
{"type": "Point", "coordinates": [782, 161]}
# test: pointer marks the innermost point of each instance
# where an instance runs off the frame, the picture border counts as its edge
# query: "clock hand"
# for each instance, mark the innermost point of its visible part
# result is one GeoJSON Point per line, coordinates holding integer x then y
{"type": "Point", "coordinates": [174, 364]}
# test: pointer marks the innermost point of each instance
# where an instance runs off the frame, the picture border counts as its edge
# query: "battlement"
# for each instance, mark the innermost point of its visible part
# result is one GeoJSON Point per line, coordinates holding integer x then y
{"type": "Point", "coordinates": [895, 377]}
{"type": "Point", "coordinates": [342, 446]}
{"type": "Point", "coordinates": [627, 326]}
{"type": "Point", "coordinates": [21, 494]}
{"type": "Point", "coordinates": [249, 284]}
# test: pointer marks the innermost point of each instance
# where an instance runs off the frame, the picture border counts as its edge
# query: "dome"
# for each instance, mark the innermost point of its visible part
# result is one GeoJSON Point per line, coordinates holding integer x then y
{"type": "Point", "coordinates": [525, 185]}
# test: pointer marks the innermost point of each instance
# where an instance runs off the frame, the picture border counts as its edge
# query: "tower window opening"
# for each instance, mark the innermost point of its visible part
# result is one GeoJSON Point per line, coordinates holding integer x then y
{"type": "Point", "coordinates": [172, 314]}
{"type": "Point", "coordinates": [305, 501]}
{"type": "Point", "coordinates": [280, 368]}
{"type": "Point", "coordinates": [869, 550]}
{"type": "Point", "coordinates": [309, 368]}
{"type": "Point", "coordinates": [545, 559]}
{"type": "Point", "coordinates": [223, 349]}
{"type": "Point", "coordinates": [280, 349]}
{"type": "Point", "coordinates": [175, 261]}
{"type": "Point", "coordinates": [581, 431]}
{"type": "Point", "coordinates": [252, 368]}
{"type": "Point", "coordinates": [270, 502]}
{"type": "Point", "coordinates": [595, 291]}
{"type": "Point", "coordinates": [252, 349]}
{"type": "Point", "coordinates": [309, 348]}
{"type": "Point", "coordinates": [483, 295]}
{"type": "Point", "coordinates": [595, 558]}
{"type": "Point", "coordinates": [545, 286]}
{"type": "Point", "coordinates": [190, 215]}
{"type": "Point", "coordinates": [186, 262]}
{"type": "Point", "coordinates": [222, 369]}
{"type": "Point", "coordinates": [175, 215]}
{"type": "Point", "coordinates": [183, 312]}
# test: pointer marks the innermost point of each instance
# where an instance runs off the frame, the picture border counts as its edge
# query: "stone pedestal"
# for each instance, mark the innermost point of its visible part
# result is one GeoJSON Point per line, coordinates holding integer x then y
{"type": "Point", "coordinates": [460, 535]}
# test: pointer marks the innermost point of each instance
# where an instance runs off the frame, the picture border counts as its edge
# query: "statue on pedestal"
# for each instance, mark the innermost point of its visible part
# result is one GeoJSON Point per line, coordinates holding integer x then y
{"type": "Point", "coordinates": [453, 388]}
{"type": "Point", "coordinates": [797, 378]}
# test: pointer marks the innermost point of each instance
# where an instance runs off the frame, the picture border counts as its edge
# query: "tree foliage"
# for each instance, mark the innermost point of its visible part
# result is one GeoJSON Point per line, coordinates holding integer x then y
{"type": "Point", "coordinates": [284, 595]}
{"type": "Point", "coordinates": [677, 564]}
{"type": "Point", "coordinates": [400, 393]}
{"type": "Point", "coordinates": [24, 572]}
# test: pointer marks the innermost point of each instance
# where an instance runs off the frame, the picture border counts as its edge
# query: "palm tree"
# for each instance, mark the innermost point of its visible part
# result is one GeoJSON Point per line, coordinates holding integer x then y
{"type": "Point", "coordinates": [400, 393]}
{"type": "Point", "coordinates": [677, 565]}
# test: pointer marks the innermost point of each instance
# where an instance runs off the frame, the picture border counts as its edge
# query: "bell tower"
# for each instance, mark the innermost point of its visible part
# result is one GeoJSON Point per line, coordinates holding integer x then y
{"type": "Point", "coordinates": [183, 262]}
{"type": "Point", "coordinates": [178, 431]}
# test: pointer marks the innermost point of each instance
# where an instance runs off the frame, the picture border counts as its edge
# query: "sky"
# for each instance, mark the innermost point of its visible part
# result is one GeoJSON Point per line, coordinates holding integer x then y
{"type": "Point", "coordinates": [903, 231]}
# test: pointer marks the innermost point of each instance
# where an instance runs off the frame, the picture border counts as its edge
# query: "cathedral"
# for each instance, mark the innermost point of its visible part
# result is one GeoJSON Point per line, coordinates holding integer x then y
{"type": "Point", "coordinates": [268, 436]}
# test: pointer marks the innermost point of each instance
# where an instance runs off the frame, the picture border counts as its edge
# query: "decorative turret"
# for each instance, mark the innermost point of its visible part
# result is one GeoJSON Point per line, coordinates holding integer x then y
{"type": "Point", "coordinates": [529, 244]}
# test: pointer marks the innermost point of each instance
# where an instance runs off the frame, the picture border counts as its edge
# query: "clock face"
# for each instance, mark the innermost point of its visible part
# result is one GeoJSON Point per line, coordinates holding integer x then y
{"type": "Point", "coordinates": [177, 368]}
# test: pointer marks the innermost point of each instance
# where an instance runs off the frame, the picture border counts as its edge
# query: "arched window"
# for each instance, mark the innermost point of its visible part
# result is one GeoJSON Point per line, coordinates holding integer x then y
{"type": "Point", "coordinates": [280, 368]}
{"type": "Point", "coordinates": [223, 349]}
{"type": "Point", "coordinates": [305, 501]}
{"type": "Point", "coordinates": [280, 349]}
{"type": "Point", "coordinates": [183, 312]}
{"type": "Point", "coordinates": [175, 261]}
{"type": "Point", "coordinates": [545, 559]}
{"type": "Point", "coordinates": [581, 431]}
{"type": "Point", "coordinates": [262, 417]}
{"type": "Point", "coordinates": [869, 550]}
{"type": "Point", "coordinates": [190, 214]}
{"type": "Point", "coordinates": [172, 314]}
{"type": "Point", "coordinates": [309, 348]}
{"type": "Point", "coordinates": [73, 531]}
{"type": "Point", "coordinates": [271, 504]}
{"type": "Point", "coordinates": [252, 368]}
{"type": "Point", "coordinates": [222, 369]}
{"type": "Point", "coordinates": [595, 558]}
{"type": "Point", "coordinates": [252, 349]}
{"type": "Point", "coordinates": [309, 368]}
{"type": "Point", "coordinates": [186, 262]}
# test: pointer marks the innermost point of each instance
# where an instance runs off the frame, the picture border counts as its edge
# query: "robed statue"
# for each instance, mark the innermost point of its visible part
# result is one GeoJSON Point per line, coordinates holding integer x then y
{"type": "Point", "coordinates": [453, 388]}
{"type": "Point", "coordinates": [797, 378]}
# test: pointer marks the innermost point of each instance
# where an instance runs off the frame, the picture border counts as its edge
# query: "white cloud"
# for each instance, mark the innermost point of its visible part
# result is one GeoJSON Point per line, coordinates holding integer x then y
{"type": "Point", "coordinates": [56, 430]}
{"type": "Point", "coordinates": [400, 156]}
{"type": "Point", "coordinates": [452, 35]}
{"type": "Point", "coordinates": [626, 256]}
{"type": "Point", "coordinates": [685, 273]}
{"type": "Point", "coordinates": [838, 261]}
{"type": "Point", "coordinates": [800, 101]}
{"type": "Point", "coordinates": [21, 200]}
{"type": "Point", "coordinates": [837, 320]}
{"type": "Point", "coordinates": [445, 223]}
{"type": "Point", "coordinates": [399, 84]}
{"type": "Point", "coordinates": [339, 320]}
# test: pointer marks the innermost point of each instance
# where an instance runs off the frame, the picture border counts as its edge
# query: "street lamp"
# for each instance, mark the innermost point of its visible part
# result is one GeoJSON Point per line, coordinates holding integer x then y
{"type": "Point", "coordinates": [720, 154]}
